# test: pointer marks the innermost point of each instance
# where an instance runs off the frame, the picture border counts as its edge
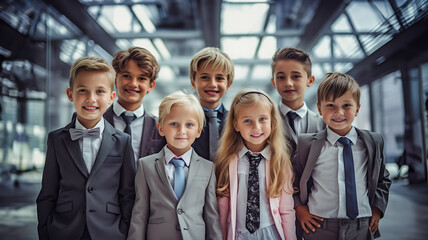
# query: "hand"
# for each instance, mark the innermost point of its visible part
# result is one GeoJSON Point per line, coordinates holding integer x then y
{"type": "Point", "coordinates": [374, 220]}
{"type": "Point", "coordinates": [306, 219]}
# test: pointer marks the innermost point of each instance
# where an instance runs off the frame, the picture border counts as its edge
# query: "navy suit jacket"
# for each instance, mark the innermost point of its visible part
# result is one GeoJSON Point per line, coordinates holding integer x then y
{"type": "Point", "coordinates": [151, 141]}
{"type": "Point", "coordinates": [308, 150]}
{"type": "Point", "coordinates": [71, 198]}
{"type": "Point", "coordinates": [202, 144]}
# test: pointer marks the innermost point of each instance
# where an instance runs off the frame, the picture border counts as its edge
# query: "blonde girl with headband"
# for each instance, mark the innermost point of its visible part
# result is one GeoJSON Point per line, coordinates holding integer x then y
{"type": "Point", "coordinates": [254, 172]}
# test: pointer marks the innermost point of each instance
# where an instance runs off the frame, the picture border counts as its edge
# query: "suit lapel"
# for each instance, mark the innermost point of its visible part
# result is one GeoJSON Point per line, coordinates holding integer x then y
{"type": "Point", "coordinates": [74, 150]}
{"type": "Point", "coordinates": [193, 169]}
{"type": "Point", "coordinates": [146, 134]}
{"type": "Point", "coordinates": [311, 123]}
{"type": "Point", "coordinates": [108, 115]}
{"type": "Point", "coordinates": [371, 156]}
{"type": "Point", "coordinates": [314, 153]}
{"type": "Point", "coordinates": [106, 146]}
{"type": "Point", "coordinates": [288, 131]}
{"type": "Point", "coordinates": [160, 169]}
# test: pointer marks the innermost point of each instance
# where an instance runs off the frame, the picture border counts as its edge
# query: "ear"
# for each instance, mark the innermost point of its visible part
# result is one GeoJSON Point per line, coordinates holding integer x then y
{"type": "Point", "coordinates": [235, 126]}
{"type": "Point", "coordinates": [115, 81]}
{"type": "Point", "coordinates": [358, 110]}
{"type": "Point", "coordinates": [112, 96]}
{"type": "Point", "coordinates": [152, 86]}
{"type": "Point", "coordinates": [160, 129]}
{"type": "Point", "coordinates": [199, 133]}
{"type": "Point", "coordinates": [193, 84]}
{"type": "Point", "coordinates": [319, 108]}
{"type": "Point", "coordinates": [272, 80]}
{"type": "Point", "coordinates": [69, 94]}
{"type": "Point", "coordinates": [311, 81]}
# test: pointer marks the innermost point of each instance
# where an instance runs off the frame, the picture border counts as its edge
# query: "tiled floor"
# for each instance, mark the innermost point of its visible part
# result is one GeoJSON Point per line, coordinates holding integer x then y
{"type": "Point", "coordinates": [406, 217]}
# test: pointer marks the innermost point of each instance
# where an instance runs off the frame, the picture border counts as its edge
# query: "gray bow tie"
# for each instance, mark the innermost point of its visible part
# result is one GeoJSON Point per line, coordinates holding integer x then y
{"type": "Point", "coordinates": [81, 133]}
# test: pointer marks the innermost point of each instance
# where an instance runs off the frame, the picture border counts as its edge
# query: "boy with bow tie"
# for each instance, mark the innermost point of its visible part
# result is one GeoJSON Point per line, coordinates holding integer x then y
{"type": "Point", "coordinates": [88, 180]}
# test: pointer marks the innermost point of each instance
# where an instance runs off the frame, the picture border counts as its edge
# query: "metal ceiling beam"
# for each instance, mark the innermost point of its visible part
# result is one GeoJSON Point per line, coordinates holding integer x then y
{"type": "Point", "coordinates": [78, 14]}
{"type": "Point", "coordinates": [407, 48]}
{"type": "Point", "coordinates": [209, 15]}
{"type": "Point", "coordinates": [327, 12]}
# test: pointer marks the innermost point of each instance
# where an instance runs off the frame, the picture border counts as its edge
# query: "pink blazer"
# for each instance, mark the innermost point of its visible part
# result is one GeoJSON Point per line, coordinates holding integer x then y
{"type": "Point", "coordinates": [282, 208]}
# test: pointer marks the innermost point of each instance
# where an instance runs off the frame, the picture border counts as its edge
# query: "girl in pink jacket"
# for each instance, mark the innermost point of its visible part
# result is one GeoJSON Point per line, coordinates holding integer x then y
{"type": "Point", "coordinates": [254, 172]}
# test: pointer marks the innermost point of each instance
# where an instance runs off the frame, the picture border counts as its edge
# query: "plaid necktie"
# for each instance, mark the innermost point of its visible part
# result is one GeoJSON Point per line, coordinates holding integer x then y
{"type": "Point", "coordinates": [252, 221]}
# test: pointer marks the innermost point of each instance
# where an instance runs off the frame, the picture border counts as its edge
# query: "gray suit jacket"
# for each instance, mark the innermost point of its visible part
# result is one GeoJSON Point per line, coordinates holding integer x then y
{"type": "Point", "coordinates": [308, 150]}
{"type": "Point", "coordinates": [314, 124]}
{"type": "Point", "coordinates": [151, 141]}
{"type": "Point", "coordinates": [158, 215]}
{"type": "Point", "coordinates": [71, 198]}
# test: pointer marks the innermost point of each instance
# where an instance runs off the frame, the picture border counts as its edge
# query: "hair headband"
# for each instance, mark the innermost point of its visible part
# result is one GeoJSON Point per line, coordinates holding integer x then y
{"type": "Point", "coordinates": [250, 92]}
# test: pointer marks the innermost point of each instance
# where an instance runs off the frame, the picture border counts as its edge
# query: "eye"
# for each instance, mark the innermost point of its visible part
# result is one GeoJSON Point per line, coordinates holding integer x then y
{"type": "Point", "coordinates": [347, 105]}
{"type": "Point", "coordinates": [100, 91]}
{"type": "Point", "coordinates": [263, 119]}
{"type": "Point", "coordinates": [222, 78]}
{"type": "Point", "coordinates": [82, 90]}
{"type": "Point", "coordinates": [127, 76]}
{"type": "Point", "coordinates": [174, 124]}
{"type": "Point", "coordinates": [204, 77]}
{"type": "Point", "coordinates": [143, 79]}
{"type": "Point", "coordinates": [189, 124]}
{"type": "Point", "coordinates": [297, 76]}
{"type": "Point", "coordinates": [247, 121]}
{"type": "Point", "coordinates": [280, 77]}
{"type": "Point", "coordinates": [329, 105]}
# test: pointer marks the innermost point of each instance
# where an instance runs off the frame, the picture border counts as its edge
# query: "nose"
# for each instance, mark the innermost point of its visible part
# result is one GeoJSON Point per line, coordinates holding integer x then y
{"type": "Point", "coordinates": [257, 125]}
{"type": "Point", "coordinates": [212, 82]}
{"type": "Point", "coordinates": [91, 97]}
{"type": "Point", "coordinates": [288, 81]}
{"type": "Point", "coordinates": [134, 82]}
{"type": "Point", "coordinates": [181, 129]}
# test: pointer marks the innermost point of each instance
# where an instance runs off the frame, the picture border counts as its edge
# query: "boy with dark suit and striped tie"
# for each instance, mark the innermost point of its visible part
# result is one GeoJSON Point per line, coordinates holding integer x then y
{"type": "Point", "coordinates": [136, 73]}
{"type": "Point", "coordinates": [88, 179]}
{"type": "Point", "coordinates": [211, 75]}
{"type": "Point", "coordinates": [340, 173]}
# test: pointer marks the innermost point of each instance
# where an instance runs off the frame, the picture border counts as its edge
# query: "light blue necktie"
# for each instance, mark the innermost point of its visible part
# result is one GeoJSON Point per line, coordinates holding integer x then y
{"type": "Point", "coordinates": [351, 191]}
{"type": "Point", "coordinates": [179, 177]}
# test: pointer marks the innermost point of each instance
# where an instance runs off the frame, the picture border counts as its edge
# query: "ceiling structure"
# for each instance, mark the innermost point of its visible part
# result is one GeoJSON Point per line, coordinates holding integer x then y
{"type": "Point", "coordinates": [366, 38]}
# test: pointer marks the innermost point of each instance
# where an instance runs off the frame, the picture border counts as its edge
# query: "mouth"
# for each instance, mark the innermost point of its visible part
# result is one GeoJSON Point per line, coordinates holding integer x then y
{"type": "Point", "coordinates": [180, 139]}
{"type": "Point", "coordinates": [130, 91]}
{"type": "Point", "coordinates": [90, 108]}
{"type": "Point", "coordinates": [212, 92]}
{"type": "Point", "coordinates": [258, 135]}
{"type": "Point", "coordinates": [338, 120]}
{"type": "Point", "coordinates": [289, 91]}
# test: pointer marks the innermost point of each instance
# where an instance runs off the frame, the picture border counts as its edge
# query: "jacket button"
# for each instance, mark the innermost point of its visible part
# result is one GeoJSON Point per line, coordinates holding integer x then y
{"type": "Point", "coordinates": [180, 211]}
{"type": "Point", "coordinates": [90, 189]}
{"type": "Point", "coordinates": [178, 228]}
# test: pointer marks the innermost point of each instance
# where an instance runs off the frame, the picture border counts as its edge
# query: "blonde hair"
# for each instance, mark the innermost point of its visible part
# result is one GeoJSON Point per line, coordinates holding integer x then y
{"type": "Point", "coordinates": [231, 142]}
{"type": "Point", "coordinates": [91, 64]}
{"type": "Point", "coordinates": [181, 99]}
{"type": "Point", "coordinates": [214, 57]}
{"type": "Point", "coordinates": [335, 85]}
{"type": "Point", "coordinates": [144, 59]}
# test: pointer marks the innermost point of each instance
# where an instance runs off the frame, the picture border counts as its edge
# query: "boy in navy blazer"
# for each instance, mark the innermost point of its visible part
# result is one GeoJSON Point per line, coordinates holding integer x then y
{"type": "Point", "coordinates": [340, 172]}
{"type": "Point", "coordinates": [136, 73]}
{"type": "Point", "coordinates": [291, 75]}
{"type": "Point", "coordinates": [211, 75]}
{"type": "Point", "coordinates": [88, 179]}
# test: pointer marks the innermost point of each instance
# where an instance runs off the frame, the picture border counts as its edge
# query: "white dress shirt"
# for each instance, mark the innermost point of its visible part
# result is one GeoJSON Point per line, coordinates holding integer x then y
{"type": "Point", "coordinates": [136, 125]}
{"type": "Point", "coordinates": [301, 122]}
{"type": "Point", "coordinates": [328, 195]}
{"type": "Point", "coordinates": [169, 166]}
{"type": "Point", "coordinates": [90, 146]}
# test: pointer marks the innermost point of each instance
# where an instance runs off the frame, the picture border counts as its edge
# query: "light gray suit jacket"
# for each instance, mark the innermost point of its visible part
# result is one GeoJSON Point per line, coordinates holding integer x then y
{"type": "Point", "coordinates": [308, 150]}
{"type": "Point", "coordinates": [157, 214]}
{"type": "Point", "coordinates": [314, 124]}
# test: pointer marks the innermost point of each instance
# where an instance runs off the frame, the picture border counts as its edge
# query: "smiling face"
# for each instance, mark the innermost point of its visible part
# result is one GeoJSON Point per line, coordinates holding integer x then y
{"type": "Point", "coordinates": [132, 85]}
{"type": "Point", "coordinates": [180, 128]}
{"type": "Point", "coordinates": [291, 80]}
{"type": "Point", "coordinates": [91, 95]}
{"type": "Point", "coordinates": [211, 85]}
{"type": "Point", "coordinates": [254, 123]}
{"type": "Point", "coordinates": [339, 114]}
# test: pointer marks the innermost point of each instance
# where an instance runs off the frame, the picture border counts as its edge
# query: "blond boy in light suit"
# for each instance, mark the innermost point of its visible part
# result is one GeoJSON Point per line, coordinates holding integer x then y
{"type": "Point", "coordinates": [161, 210]}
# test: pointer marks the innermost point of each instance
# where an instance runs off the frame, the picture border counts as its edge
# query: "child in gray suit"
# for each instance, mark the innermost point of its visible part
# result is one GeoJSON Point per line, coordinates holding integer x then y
{"type": "Point", "coordinates": [175, 188]}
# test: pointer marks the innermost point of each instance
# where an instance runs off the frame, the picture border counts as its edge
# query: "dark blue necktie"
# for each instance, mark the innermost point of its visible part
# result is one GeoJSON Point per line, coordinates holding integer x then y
{"type": "Point", "coordinates": [252, 221]}
{"type": "Point", "coordinates": [179, 176]}
{"type": "Point", "coordinates": [213, 132]}
{"type": "Point", "coordinates": [128, 120]}
{"type": "Point", "coordinates": [351, 191]}
{"type": "Point", "coordinates": [291, 116]}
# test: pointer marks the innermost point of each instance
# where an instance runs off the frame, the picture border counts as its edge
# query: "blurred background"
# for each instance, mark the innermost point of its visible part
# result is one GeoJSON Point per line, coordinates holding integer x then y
{"type": "Point", "coordinates": [381, 43]}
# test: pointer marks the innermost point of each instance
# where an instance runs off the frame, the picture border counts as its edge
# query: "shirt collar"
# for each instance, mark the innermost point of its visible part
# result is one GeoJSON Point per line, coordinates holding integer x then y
{"type": "Point", "coordinates": [169, 155]}
{"type": "Point", "coordinates": [219, 109]}
{"type": "Point", "coordinates": [332, 137]}
{"type": "Point", "coordinates": [301, 112]}
{"type": "Point", "coordinates": [100, 124]}
{"type": "Point", "coordinates": [118, 110]}
{"type": "Point", "coordinates": [265, 152]}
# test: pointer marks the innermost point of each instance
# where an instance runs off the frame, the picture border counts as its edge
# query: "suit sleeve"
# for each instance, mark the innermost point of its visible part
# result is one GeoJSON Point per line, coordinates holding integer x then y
{"type": "Point", "coordinates": [288, 216]}
{"type": "Point", "coordinates": [224, 205]}
{"type": "Point", "coordinates": [126, 188]}
{"type": "Point", "coordinates": [46, 201]}
{"type": "Point", "coordinates": [383, 184]}
{"type": "Point", "coordinates": [211, 213]}
{"type": "Point", "coordinates": [140, 212]}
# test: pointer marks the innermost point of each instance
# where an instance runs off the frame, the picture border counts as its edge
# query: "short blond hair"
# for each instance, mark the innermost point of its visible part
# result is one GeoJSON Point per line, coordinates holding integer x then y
{"type": "Point", "coordinates": [181, 99]}
{"type": "Point", "coordinates": [336, 84]}
{"type": "Point", "coordinates": [214, 57]}
{"type": "Point", "coordinates": [91, 64]}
